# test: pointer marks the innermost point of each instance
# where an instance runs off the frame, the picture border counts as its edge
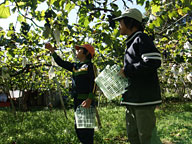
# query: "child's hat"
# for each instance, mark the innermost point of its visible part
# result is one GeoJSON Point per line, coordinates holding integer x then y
{"type": "Point", "coordinates": [88, 47]}
{"type": "Point", "coordinates": [132, 13]}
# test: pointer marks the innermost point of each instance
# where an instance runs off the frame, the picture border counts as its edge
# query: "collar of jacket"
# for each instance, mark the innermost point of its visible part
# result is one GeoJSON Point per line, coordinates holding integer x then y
{"type": "Point", "coordinates": [86, 61]}
{"type": "Point", "coordinates": [132, 36]}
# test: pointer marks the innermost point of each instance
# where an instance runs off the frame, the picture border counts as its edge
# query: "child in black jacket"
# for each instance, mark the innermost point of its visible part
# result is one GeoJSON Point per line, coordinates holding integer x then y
{"type": "Point", "coordinates": [83, 85]}
{"type": "Point", "coordinates": [141, 61]}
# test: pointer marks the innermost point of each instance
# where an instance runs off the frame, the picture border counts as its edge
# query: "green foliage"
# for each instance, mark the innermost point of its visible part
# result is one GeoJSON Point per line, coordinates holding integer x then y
{"type": "Point", "coordinates": [4, 10]}
{"type": "Point", "coordinates": [141, 2]}
{"type": "Point", "coordinates": [169, 22]}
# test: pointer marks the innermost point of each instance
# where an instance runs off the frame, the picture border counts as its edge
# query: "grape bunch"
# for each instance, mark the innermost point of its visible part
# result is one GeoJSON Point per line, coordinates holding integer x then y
{"type": "Point", "coordinates": [25, 28]}
{"type": "Point", "coordinates": [111, 21]}
{"type": "Point", "coordinates": [48, 15]}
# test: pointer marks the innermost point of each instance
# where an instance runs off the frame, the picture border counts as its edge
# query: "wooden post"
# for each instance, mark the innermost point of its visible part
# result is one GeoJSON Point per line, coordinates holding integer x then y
{"type": "Point", "coordinates": [98, 118]}
{"type": "Point", "coordinates": [12, 105]}
{"type": "Point", "coordinates": [60, 96]}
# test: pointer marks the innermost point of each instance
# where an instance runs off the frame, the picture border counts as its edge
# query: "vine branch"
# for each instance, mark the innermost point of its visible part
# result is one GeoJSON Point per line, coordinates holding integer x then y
{"type": "Point", "coordinates": [102, 9]}
{"type": "Point", "coordinates": [27, 68]}
{"type": "Point", "coordinates": [31, 19]}
{"type": "Point", "coordinates": [173, 23]}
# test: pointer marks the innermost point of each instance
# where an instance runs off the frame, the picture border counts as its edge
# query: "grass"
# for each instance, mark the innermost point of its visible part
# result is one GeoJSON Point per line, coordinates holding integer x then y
{"type": "Point", "coordinates": [40, 126]}
{"type": "Point", "coordinates": [174, 122]}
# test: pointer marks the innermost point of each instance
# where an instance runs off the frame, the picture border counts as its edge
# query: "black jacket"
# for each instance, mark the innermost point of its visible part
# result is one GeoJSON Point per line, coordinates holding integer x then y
{"type": "Point", "coordinates": [141, 62]}
{"type": "Point", "coordinates": [83, 75]}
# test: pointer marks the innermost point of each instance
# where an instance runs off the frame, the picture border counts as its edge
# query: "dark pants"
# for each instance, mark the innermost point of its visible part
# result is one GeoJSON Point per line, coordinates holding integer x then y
{"type": "Point", "coordinates": [141, 125]}
{"type": "Point", "coordinates": [85, 135]}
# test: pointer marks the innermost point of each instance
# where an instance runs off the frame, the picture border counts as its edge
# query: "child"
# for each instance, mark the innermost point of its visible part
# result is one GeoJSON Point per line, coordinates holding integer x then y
{"type": "Point", "coordinates": [83, 85]}
{"type": "Point", "coordinates": [141, 61]}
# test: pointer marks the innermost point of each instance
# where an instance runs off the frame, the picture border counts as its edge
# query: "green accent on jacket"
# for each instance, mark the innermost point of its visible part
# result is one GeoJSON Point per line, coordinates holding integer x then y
{"type": "Point", "coordinates": [85, 96]}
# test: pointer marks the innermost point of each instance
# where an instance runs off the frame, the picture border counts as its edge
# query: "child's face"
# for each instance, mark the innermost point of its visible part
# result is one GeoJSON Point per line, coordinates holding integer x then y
{"type": "Point", "coordinates": [123, 29]}
{"type": "Point", "coordinates": [79, 54]}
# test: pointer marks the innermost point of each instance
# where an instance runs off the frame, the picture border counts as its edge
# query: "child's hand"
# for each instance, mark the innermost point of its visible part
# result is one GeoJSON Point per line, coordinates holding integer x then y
{"type": "Point", "coordinates": [86, 103]}
{"type": "Point", "coordinates": [49, 47]}
{"type": "Point", "coordinates": [121, 72]}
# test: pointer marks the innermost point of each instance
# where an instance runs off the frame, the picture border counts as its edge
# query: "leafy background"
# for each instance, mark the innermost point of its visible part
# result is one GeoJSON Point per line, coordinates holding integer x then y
{"type": "Point", "coordinates": [168, 22]}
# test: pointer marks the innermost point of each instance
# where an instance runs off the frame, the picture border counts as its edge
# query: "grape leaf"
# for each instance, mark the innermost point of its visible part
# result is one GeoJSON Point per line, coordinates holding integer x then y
{"type": "Point", "coordinates": [4, 11]}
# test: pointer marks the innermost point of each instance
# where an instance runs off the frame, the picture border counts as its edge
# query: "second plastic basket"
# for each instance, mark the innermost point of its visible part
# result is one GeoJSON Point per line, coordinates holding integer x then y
{"type": "Point", "coordinates": [111, 83]}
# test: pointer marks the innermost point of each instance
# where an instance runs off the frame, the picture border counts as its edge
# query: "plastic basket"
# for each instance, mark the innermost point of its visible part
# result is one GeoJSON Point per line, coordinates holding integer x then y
{"type": "Point", "coordinates": [111, 83]}
{"type": "Point", "coordinates": [85, 117]}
